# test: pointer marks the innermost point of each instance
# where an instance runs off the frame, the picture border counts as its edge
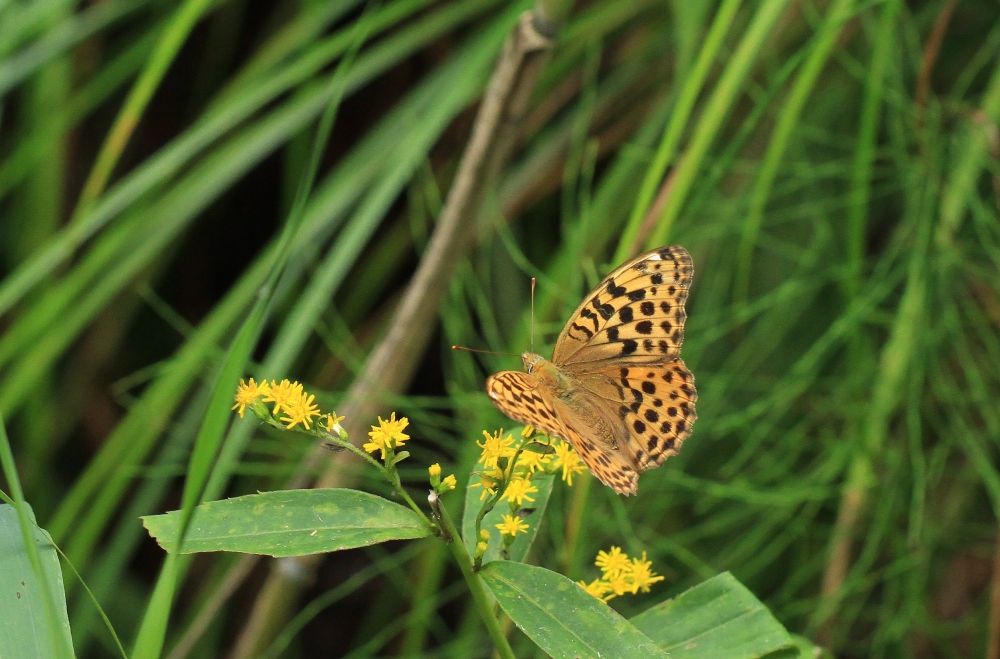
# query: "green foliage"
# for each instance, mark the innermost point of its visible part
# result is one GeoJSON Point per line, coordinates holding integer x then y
{"type": "Point", "coordinates": [174, 215]}
{"type": "Point", "coordinates": [717, 618]}
{"type": "Point", "coordinates": [563, 619]}
{"type": "Point", "coordinates": [289, 523]}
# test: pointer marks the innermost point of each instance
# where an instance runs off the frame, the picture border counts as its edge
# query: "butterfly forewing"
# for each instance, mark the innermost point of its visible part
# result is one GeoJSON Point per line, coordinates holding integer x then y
{"type": "Point", "coordinates": [522, 397]}
{"type": "Point", "coordinates": [636, 315]}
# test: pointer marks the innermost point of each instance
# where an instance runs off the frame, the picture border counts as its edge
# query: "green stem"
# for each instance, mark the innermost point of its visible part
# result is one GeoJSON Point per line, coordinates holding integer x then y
{"type": "Point", "coordinates": [574, 524]}
{"type": "Point", "coordinates": [479, 596]}
{"type": "Point", "coordinates": [508, 473]}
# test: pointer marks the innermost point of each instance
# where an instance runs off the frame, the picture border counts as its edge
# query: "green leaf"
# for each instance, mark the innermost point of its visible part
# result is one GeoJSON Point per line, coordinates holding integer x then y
{"type": "Point", "coordinates": [562, 618]}
{"type": "Point", "coordinates": [290, 523]}
{"type": "Point", "coordinates": [23, 622]}
{"type": "Point", "coordinates": [522, 541]}
{"type": "Point", "coordinates": [717, 618]}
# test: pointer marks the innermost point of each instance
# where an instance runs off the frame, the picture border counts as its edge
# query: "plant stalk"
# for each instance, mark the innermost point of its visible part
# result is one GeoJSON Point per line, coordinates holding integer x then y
{"type": "Point", "coordinates": [479, 596]}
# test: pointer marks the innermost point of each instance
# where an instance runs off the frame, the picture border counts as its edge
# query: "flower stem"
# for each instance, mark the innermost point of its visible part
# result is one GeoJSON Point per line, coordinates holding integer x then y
{"type": "Point", "coordinates": [464, 561]}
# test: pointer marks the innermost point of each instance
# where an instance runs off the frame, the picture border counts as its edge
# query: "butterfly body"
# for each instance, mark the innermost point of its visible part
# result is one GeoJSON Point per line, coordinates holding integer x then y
{"type": "Point", "coordinates": [616, 388]}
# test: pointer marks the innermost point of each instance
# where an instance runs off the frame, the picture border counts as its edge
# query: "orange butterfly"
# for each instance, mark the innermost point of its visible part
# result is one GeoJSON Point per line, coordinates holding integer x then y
{"type": "Point", "coordinates": [616, 388]}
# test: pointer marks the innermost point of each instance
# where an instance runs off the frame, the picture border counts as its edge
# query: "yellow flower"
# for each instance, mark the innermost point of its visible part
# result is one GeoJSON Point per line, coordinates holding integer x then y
{"type": "Point", "coordinates": [621, 575]}
{"type": "Point", "coordinates": [489, 480]}
{"type": "Point", "coordinates": [332, 422]}
{"type": "Point", "coordinates": [612, 563]}
{"type": "Point", "coordinates": [496, 447]}
{"type": "Point", "coordinates": [569, 461]}
{"type": "Point", "coordinates": [434, 470]}
{"type": "Point", "coordinates": [511, 525]}
{"type": "Point", "coordinates": [448, 483]}
{"type": "Point", "coordinates": [300, 410]}
{"type": "Point", "coordinates": [597, 588]}
{"type": "Point", "coordinates": [247, 394]}
{"type": "Point", "coordinates": [617, 586]}
{"type": "Point", "coordinates": [518, 490]}
{"type": "Point", "coordinates": [387, 435]}
{"type": "Point", "coordinates": [640, 576]}
{"type": "Point", "coordinates": [528, 431]}
{"type": "Point", "coordinates": [481, 548]}
{"type": "Point", "coordinates": [282, 394]}
{"type": "Point", "coordinates": [484, 535]}
{"type": "Point", "coordinates": [531, 461]}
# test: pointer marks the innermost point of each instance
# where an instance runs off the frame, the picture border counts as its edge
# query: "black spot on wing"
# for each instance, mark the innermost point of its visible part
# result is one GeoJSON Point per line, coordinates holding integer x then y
{"type": "Point", "coordinates": [591, 316]}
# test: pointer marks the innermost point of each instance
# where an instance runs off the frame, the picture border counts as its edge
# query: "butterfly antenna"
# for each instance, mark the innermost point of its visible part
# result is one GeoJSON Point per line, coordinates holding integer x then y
{"type": "Point", "coordinates": [532, 314]}
{"type": "Point", "coordinates": [486, 352]}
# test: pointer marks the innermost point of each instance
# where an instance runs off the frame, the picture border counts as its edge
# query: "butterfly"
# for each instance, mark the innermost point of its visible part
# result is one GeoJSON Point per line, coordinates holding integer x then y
{"type": "Point", "coordinates": [616, 388]}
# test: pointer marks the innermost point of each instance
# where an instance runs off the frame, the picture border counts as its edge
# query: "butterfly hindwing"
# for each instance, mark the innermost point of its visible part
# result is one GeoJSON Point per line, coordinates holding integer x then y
{"type": "Point", "coordinates": [524, 398]}
{"type": "Point", "coordinates": [636, 315]}
{"type": "Point", "coordinates": [656, 404]}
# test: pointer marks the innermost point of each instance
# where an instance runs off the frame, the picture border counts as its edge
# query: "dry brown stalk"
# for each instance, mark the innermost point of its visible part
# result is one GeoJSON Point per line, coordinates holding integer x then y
{"type": "Point", "coordinates": [993, 643]}
{"type": "Point", "coordinates": [931, 49]}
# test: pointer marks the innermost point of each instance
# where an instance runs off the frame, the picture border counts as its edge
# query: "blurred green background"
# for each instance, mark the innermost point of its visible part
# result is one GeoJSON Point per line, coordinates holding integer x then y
{"type": "Point", "coordinates": [832, 167]}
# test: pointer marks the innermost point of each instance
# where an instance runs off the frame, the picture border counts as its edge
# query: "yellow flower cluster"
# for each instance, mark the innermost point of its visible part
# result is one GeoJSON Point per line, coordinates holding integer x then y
{"type": "Point", "coordinates": [441, 485]}
{"type": "Point", "coordinates": [512, 525]}
{"type": "Point", "coordinates": [620, 575]}
{"type": "Point", "coordinates": [552, 456]}
{"type": "Point", "coordinates": [247, 394]}
{"type": "Point", "coordinates": [296, 405]}
{"type": "Point", "coordinates": [496, 447]}
{"type": "Point", "coordinates": [387, 435]}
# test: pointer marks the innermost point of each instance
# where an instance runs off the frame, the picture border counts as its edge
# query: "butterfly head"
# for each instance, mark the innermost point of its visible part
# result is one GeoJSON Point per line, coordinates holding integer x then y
{"type": "Point", "coordinates": [530, 360]}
